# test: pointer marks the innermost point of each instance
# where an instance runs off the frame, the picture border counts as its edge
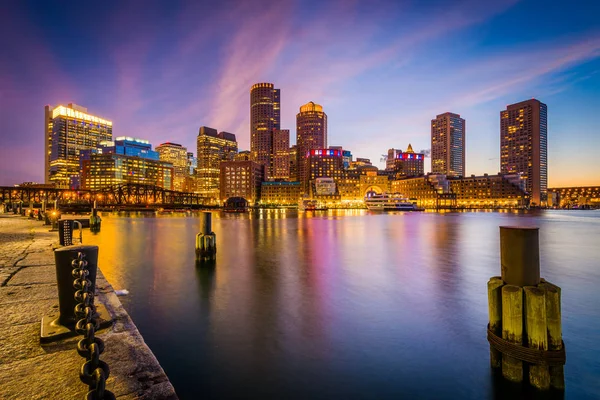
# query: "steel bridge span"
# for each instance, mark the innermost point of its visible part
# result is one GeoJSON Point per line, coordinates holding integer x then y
{"type": "Point", "coordinates": [125, 195]}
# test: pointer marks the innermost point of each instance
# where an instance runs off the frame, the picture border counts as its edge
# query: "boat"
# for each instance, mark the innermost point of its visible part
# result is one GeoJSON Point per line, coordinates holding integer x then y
{"type": "Point", "coordinates": [310, 205]}
{"type": "Point", "coordinates": [388, 202]}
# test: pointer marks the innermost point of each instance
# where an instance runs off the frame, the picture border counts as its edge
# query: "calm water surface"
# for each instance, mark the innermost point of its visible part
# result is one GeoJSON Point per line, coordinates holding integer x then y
{"type": "Point", "coordinates": [345, 304]}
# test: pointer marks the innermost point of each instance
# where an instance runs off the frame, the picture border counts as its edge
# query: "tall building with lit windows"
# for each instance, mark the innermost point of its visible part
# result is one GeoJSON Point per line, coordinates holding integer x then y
{"type": "Point", "coordinates": [265, 118]}
{"type": "Point", "coordinates": [311, 134]}
{"type": "Point", "coordinates": [176, 155]}
{"type": "Point", "coordinates": [323, 163]}
{"type": "Point", "coordinates": [212, 149]}
{"type": "Point", "coordinates": [448, 145]}
{"type": "Point", "coordinates": [281, 154]}
{"type": "Point", "coordinates": [67, 131]}
{"type": "Point", "coordinates": [524, 146]}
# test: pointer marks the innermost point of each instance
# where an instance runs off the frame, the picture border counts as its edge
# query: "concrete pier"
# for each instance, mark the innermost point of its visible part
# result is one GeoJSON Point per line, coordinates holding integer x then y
{"type": "Point", "coordinates": [28, 290]}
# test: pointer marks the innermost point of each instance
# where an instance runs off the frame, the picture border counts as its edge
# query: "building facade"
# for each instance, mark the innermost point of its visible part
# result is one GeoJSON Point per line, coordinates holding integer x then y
{"type": "Point", "coordinates": [281, 154]}
{"type": "Point", "coordinates": [280, 193]}
{"type": "Point", "coordinates": [177, 155]}
{"type": "Point", "coordinates": [293, 164]}
{"type": "Point", "coordinates": [390, 161]}
{"type": "Point", "coordinates": [241, 179]}
{"type": "Point", "coordinates": [311, 134]}
{"type": "Point", "coordinates": [448, 145]}
{"type": "Point", "coordinates": [322, 163]}
{"type": "Point", "coordinates": [265, 107]}
{"type": "Point", "coordinates": [575, 197]}
{"type": "Point", "coordinates": [489, 191]}
{"type": "Point", "coordinates": [408, 163]}
{"type": "Point", "coordinates": [212, 149]}
{"type": "Point", "coordinates": [524, 146]}
{"type": "Point", "coordinates": [242, 156]}
{"type": "Point", "coordinates": [126, 160]}
{"type": "Point", "coordinates": [67, 131]}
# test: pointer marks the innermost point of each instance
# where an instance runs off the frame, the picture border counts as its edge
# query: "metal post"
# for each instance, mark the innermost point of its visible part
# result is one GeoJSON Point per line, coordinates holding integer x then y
{"type": "Point", "coordinates": [58, 326]}
{"type": "Point", "coordinates": [206, 241]}
{"type": "Point", "coordinates": [520, 255]}
{"type": "Point", "coordinates": [65, 232]}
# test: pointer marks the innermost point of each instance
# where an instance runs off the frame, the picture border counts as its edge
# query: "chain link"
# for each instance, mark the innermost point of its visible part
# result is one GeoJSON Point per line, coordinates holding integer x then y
{"type": "Point", "coordinates": [94, 372]}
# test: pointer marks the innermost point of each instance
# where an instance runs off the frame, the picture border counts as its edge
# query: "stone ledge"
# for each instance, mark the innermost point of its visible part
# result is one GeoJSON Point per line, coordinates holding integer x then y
{"type": "Point", "coordinates": [29, 370]}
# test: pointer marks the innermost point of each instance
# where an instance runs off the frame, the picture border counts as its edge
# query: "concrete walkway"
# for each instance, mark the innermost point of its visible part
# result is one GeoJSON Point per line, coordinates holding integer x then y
{"type": "Point", "coordinates": [27, 292]}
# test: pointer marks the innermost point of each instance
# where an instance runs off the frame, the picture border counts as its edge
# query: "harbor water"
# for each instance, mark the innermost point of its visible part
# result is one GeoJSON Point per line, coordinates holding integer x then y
{"type": "Point", "coordinates": [343, 304]}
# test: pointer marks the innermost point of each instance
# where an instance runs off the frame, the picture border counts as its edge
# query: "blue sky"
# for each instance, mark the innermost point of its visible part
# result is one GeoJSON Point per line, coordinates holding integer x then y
{"type": "Point", "coordinates": [381, 69]}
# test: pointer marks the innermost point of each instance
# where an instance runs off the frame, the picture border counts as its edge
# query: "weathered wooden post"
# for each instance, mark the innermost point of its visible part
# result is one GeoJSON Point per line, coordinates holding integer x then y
{"type": "Point", "coordinates": [554, 327]}
{"type": "Point", "coordinates": [206, 241]}
{"type": "Point", "coordinates": [524, 314]}
{"type": "Point", "coordinates": [512, 330]}
{"type": "Point", "coordinates": [495, 313]}
{"type": "Point", "coordinates": [535, 326]}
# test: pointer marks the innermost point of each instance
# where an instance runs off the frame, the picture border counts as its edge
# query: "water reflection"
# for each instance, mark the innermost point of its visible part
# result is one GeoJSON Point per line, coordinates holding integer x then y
{"type": "Point", "coordinates": [343, 304]}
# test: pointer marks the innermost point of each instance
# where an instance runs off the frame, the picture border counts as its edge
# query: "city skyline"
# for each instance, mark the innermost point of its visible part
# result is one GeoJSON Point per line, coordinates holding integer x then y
{"type": "Point", "coordinates": [382, 81]}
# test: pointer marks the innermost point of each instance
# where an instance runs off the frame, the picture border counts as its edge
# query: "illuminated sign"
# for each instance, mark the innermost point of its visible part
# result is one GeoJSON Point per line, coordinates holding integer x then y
{"type": "Point", "coordinates": [69, 112]}
{"type": "Point", "coordinates": [324, 152]}
{"type": "Point", "coordinates": [410, 156]}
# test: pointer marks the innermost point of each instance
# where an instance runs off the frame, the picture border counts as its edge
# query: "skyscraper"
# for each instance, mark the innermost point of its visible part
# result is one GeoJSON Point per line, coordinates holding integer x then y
{"type": "Point", "coordinates": [67, 131]}
{"type": "Point", "coordinates": [177, 155]}
{"type": "Point", "coordinates": [212, 148]}
{"type": "Point", "coordinates": [448, 145]}
{"type": "Point", "coordinates": [311, 133]}
{"type": "Point", "coordinates": [281, 154]}
{"type": "Point", "coordinates": [524, 146]}
{"type": "Point", "coordinates": [264, 119]}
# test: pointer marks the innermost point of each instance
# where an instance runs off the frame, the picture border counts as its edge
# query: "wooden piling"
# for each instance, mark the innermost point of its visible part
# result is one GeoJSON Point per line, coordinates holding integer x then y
{"type": "Point", "coordinates": [536, 333]}
{"type": "Point", "coordinates": [495, 316]}
{"type": "Point", "coordinates": [553, 322]}
{"type": "Point", "coordinates": [512, 329]}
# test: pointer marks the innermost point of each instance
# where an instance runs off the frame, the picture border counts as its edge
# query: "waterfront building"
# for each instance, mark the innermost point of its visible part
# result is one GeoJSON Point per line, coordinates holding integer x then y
{"type": "Point", "coordinates": [311, 134]}
{"type": "Point", "coordinates": [489, 191]}
{"type": "Point", "coordinates": [265, 118]}
{"type": "Point", "coordinates": [322, 163]}
{"type": "Point", "coordinates": [419, 190]}
{"type": "Point", "coordinates": [575, 196]}
{"type": "Point", "coordinates": [177, 155]}
{"type": "Point", "coordinates": [408, 163]}
{"type": "Point", "coordinates": [281, 154]}
{"type": "Point", "coordinates": [293, 164]}
{"type": "Point", "coordinates": [349, 186]}
{"type": "Point", "coordinates": [372, 180]}
{"type": "Point", "coordinates": [280, 193]}
{"type": "Point", "coordinates": [241, 179]}
{"type": "Point", "coordinates": [67, 131]}
{"type": "Point", "coordinates": [212, 149]}
{"type": "Point", "coordinates": [243, 155]}
{"type": "Point", "coordinates": [126, 160]}
{"type": "Point", "coordinates": [448, 145]}
{"type": "Point", "coordinates": [524, 146]}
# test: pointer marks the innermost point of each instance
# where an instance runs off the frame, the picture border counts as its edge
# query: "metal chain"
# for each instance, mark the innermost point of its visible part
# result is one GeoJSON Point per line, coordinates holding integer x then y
{"type": "Point", "coordinates": [94, 372]}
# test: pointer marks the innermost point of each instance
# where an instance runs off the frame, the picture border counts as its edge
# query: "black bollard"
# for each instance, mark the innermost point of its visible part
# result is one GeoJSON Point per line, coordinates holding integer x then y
{"type": "Point", "coordinates": [206, 242]}
{"type": "Point", "coordinates": [59, 326]}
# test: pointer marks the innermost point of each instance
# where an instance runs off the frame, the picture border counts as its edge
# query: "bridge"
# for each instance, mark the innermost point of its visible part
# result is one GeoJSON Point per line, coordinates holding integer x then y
{"type": "Point", "coordinates": [117, 196]}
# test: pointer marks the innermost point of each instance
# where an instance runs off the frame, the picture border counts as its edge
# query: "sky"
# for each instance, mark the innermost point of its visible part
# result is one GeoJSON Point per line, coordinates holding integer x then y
{"type": "Point", "coordinates": [381, 69]}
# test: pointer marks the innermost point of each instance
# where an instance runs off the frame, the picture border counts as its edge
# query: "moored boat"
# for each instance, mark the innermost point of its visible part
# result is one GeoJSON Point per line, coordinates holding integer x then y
{"type": "Point", "coordinates": [389, 202]}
